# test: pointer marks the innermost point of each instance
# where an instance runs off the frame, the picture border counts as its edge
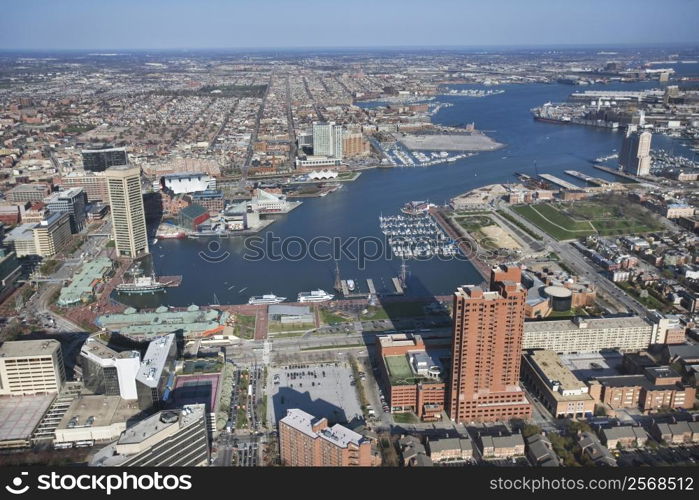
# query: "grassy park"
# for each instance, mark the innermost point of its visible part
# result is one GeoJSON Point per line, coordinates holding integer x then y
{"type": "Point", "coordinates": [605, 217]}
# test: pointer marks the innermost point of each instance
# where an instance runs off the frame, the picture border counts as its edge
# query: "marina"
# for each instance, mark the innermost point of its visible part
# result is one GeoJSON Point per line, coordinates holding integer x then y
{"type": "Point", "coordinates": [416, 236]}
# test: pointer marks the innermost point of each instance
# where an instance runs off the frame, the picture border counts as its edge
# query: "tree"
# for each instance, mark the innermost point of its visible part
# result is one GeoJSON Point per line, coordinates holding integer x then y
{"type": "Point", "coordinates": [530, 430]}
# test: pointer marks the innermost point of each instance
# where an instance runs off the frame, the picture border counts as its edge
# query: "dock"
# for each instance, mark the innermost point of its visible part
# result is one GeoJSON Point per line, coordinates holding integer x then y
{"type": "Point", "coordinates": [552, 179]}
{"type": "Point", "coordinates": [350, 295]}
{"type": "Point", "coordinates": [616, 172]}
{"type": "Point", "coordinates": [595, 181]}
{"type": "Point", "coordinates": [170, 281]}
{"type": "Point", "coordinates": [370, 286]}
{"type": "Point", "coordinates": [343, 288]}
{"type": "Point", "coordinates": [397, 285]}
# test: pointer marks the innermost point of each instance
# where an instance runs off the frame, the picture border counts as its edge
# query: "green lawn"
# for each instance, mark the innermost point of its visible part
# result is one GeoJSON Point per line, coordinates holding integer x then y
{"type": "Point", "coordinates": [244, 326]}
{"type": "Point", "coordinates": [279, 327]}
{"type": "Point", "coordinates": [606, 217]}
{"type": "Point", "coordinates": [576, 311]}
{"type": "Point", "coordinates": [399, 370]}
{"type": "Point", "coordinates": [396, 310]}
{"type": "Point", "coordinates": [329, 317]}
{"type": "Point", "coordinates": [405, 418]}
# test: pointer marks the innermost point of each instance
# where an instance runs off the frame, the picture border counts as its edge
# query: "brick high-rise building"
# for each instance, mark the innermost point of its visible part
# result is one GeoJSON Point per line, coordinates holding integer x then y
{"type": "Point", "coordinates": [487, 350]}
{"type": "Point", "coordinates": [307, 441]}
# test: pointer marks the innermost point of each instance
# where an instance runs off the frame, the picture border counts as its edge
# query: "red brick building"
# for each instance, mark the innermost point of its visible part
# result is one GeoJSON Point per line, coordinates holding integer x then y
{"type": "Point", "coordinates": [414, 380]}
{"type": "Point", "coordinates": [488, 328]}
{"type": "Point", "coordinates": [307, 441]}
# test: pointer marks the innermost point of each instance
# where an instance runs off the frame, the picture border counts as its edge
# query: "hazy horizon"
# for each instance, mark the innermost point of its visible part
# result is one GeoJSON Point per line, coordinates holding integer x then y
{"type": "Point", "coordinates": [79, 25]}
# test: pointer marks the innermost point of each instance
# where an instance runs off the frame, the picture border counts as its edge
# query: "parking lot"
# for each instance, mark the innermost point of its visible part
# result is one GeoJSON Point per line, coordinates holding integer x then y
{"type": "Point", "coordinates": [323, 390]}
{"type": "Point", "coordinates": [678, 455]}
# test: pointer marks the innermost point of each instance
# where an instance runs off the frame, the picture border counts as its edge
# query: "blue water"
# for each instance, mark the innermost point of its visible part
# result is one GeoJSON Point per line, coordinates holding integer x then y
{"type": "Point", "coordinates": [354, 210]}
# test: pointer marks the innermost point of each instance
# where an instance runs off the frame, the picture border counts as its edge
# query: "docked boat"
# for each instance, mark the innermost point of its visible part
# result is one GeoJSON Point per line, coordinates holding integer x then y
{"type": "Point", "coordinates": [269, 298]}
{"type": "Point", "coordinates": [141, 285]}
{"type": "Point", "coordinates": [168, 231]}
{"type": "Point", "coordinates": [315, 296]}
{"type": "Point", "coordinates": [350, 285]}
{"type": "Point", "coordinates": [416, 208]}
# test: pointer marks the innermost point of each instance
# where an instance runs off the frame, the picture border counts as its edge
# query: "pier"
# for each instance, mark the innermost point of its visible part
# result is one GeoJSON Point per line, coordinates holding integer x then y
{"type": "Point", "coordinates": [170, 281]}
{"type": "Point", "coordinates": [616, 172]}
{"type": "Point", "coordinates": [595, 181]}
{"type": "Point", "coordinates": [370, 286]}
{"type": "Point", "coordinates": [397, 285]}
{"type": "Point", "coordinates": [552, 179]}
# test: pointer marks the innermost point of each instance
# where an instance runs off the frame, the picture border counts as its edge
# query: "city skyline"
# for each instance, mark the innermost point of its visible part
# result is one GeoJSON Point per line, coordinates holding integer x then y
{"type": "Point", "coordinates": [213, 24]}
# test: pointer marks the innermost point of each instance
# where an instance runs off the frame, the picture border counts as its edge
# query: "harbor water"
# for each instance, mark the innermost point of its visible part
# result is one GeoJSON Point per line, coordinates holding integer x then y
{"type": "Point", "coordinates": [217, 271]}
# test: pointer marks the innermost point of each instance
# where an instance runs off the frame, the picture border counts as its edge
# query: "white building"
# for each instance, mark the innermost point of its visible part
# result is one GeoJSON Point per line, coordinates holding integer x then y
{"type": "Point", "coordinates": [188, 183]}
{"type": "Point", "coordinates": [588, 334]}
{"type": "Point", "coordinates": [634, 156]}
{"type": "Point", "coordinates": [29, 367]}
{"type": "Point", "coordinates": [109, 372]}
{"type": "Point", "coordinates": [327, 139]}
{"type": "Point", "coordinates": [128, 214]}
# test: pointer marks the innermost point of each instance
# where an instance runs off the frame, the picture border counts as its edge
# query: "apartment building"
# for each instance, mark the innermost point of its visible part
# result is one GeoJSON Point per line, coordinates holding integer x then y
{"type": "Point", "coordinates": [487, 350]}
{"type": "Point", "coordinates": [588, 334]}
{"type": "Point", "coordinates": [308, 441]}
{"type": "Point", "coordinates": [29, 367]}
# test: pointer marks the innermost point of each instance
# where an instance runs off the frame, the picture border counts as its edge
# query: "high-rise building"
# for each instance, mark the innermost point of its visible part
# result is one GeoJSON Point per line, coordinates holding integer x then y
{"type": "Point", "coordinates": [99, 160]}
{"type": "Point", "coordinates": [71, 201]}
{"type": "Point", "coordinates": [488, 328]}
{"type": "Point", "coordinates": [327, 139]}
{"type": "Point", "coordinates": [128, 214]}
{"type": "Point", "coordinates": [105, 371]}
{"type": "Point", "coordinates": [172, 438]}
{"type": "Point", "coordinates": [154, 374]}
{"type": "Point", "coordinates": [307, 441]}
{"type": "Point", "coordinates": [634, 157]}
{"type": "Point", "coordinates": [29, 367]}
{"type": "Point", "coordinates": [354, 144]}
{"type": "Point", "coordinates": [44, 239]}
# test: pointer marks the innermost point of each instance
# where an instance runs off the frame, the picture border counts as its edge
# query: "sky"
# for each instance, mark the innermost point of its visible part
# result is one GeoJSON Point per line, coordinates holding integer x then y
{"type": "Point", "coordinates": [240, 24]}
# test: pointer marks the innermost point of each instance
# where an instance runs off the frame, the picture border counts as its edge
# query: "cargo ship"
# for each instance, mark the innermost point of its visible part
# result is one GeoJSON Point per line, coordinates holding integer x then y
{"type": "Point", "coordinates": [315, 296]}
{"type": "Point", "coordinates": [551, 114]}
{"type": "Point", "coordinates": [269, 298]}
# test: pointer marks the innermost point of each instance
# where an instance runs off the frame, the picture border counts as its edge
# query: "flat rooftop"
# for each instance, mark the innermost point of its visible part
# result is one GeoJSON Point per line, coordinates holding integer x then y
{"type": "Point", "coordinates": [25, 348]}
{"type": "Point", "coordinates": [105, 410]}
{"type": "Point", "coordinates": [399, 340]}
{"type": "Point", "coordinates": [154, 361]}
{"type": "Point", "coordinates": [152, 425]}
{"type": "Point", "coordinates": [337, 434]}
{"type": "Point", "coordinates": [592, 365]}
{"type": "Point", "coordinates": [159, 321]}
{"type": "Point", "coordinates": [551, 367]}
{"type": "Point", "coordinates": [97, 349]}
{"type": "Point", "coordinates": [592, 324]}
{"type": "Point", "coordinates": [19, 416]}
